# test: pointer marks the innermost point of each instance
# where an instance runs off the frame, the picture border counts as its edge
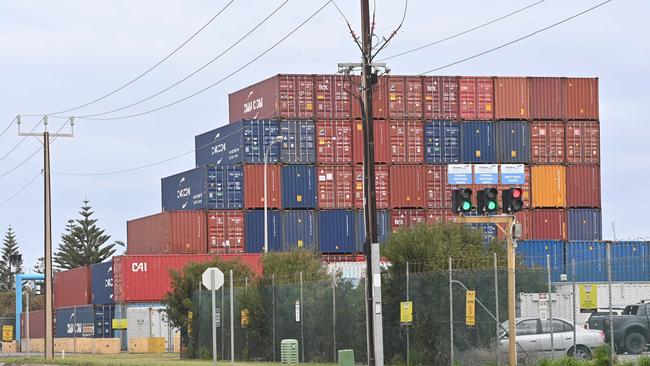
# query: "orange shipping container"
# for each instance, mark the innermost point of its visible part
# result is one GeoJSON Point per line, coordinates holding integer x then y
{"type": "Point", "coordinates": [407, 186]}
{"type": "Point", "coordinates": [382, 193]}
{"type": "Point", "coordinates": [548, 186]}
{"type": "Point", "coordinates": [581, 98]}
{"type": "Point", "coordinates": [511, 98]}
{"type": "Point", "coordinates": [254, 186]}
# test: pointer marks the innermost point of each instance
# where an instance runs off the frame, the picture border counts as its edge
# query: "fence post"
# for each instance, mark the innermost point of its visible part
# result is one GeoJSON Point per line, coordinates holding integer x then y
{"type": "Point", "coordinates": [273, 307]}
{"type": "Point", "coordinates": [408, 328]}
{"type": "Point", "coordinates": [451, 318]}
{"type": "Point", "coordinates": [612, 352]}
{"type": "Point", "coordinates": [573, 274]}
{"type": "Point", "coordinates": [334, 314]}
{"type": "Point", "coordinates": [232, 320]}
{"type": "Point", "coordinates": [496, 306]}
{"type": "Point", "coordinates": [302, 322]}
{"type": "Point", "coordinates": [223, 327]}
{"type": "Point", "coordinates": [550, 302]}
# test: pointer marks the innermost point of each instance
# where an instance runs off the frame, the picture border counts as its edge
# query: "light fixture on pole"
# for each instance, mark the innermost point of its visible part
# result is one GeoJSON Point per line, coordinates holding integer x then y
{"type": "Point", "coordinates": [278, 138]}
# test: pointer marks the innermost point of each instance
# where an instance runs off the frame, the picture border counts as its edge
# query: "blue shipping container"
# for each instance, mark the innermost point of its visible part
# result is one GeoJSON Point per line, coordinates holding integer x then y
{"type": "Point", "coordinates": [88, 321]}
{"type": "Point", "coordinates": [299, 230]}
{"type": "Point", "coordinates": [590, 258]}
{"type": "Point", "coordinates": [478, 145]}
{"type": "Point", "coordinates": [299, 146]}
{"type": "Point", "coordinates": [489, 231]}
{"type": "Point", "coordinates": [204, 188]}
{"type": "Point", "coordinates": [298, 186]}
{"type": "Point", "coordinates": [534, 252]}
{"type": "Point", "coordinates": [584, 224]}
{"type": "Point", "coordinates": [336, 231]}
{"type": "Point", "coordinates": [102, 283]}
{"type": "Point", "coordinates": [513, 141]}
{"type": "Point", "coordinates": [254, 233]}
{"type": "Point", "coordinates": [383, 228]}
{"type": "Point", "coordinates": [630, 261]}
{"type": "Point", "coordinates": [228, 183]}
{"type": "Point", "coordinates": [442, 142]}
{"type": "Point", "coordinates": [237, 143]}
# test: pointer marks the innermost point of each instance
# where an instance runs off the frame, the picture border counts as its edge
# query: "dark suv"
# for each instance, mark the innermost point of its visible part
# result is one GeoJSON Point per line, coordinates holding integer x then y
{"type": "Point", "coordinates": [631, 327]}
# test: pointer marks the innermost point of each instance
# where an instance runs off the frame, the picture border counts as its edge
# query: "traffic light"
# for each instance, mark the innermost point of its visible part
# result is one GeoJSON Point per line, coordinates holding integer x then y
{"type": "Point", "coordinates": [486, 201]}
{"type": "Point", "coordinates": [461, 200]}
{"type": "Point", "coordinates": [512, 200]}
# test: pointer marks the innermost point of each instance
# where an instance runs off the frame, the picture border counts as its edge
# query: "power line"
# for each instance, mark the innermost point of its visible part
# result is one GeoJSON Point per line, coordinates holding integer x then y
{"type": "Point", "coordinates": [464, 32]}
{"type": "Point", "coordinates": [21, 189]}
{"type": "Point", "coordinates": [194, 72]}
{"type": "Point", "coordinates": [8, 127]}
{"type": "Point", "coordinates": [219, 81]}
{"type": "Point", "coordinates": [517, 40]}
{"type": "Point", "coordinates": [387, 41]}
{"type": "Point", "coordinates": [20, 142]}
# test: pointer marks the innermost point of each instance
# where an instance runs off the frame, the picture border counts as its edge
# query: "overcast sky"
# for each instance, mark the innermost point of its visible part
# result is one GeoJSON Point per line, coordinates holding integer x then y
{"type": "Point", "coordinates": [58, 55]}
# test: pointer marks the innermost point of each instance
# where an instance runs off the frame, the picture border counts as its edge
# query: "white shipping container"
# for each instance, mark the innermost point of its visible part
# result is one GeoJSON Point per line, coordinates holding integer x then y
{"type": "Point", "coordinates": [150, 321]}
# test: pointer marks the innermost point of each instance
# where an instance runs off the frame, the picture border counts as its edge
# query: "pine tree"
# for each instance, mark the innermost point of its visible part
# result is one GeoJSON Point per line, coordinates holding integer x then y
{"type": "Point", "coordinates": [83, 242]}
{"type": "Point", "coordinates": [9, 248]}
{"type": "Point", "coordinates": [39, 267]}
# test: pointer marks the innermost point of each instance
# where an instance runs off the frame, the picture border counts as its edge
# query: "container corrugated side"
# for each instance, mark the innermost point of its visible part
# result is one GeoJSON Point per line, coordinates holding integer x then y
{"type": "Point", "coordinates": [333, 99]}
{"type": "Point", "coordinates": [254, 223]}
{"type": "Point", "coordinates": [583, 142]}
{"type": "Point", "coordinates": [36, 324]}
{"type": "Point", "coordinates": [584, 224]}
{"type": "Point", "coordinates": [513, 141]}
{"type": "Point", "coordinates": [335, 186]}
{"type": "Point", "coordinates": [170, 232]}
{"type": "Point", "coordinates": [478, 142]}
{"type": "Point", "coordinates": [102, 283]}
{"type": "Point", "coordinates": [547, 96]}
{"type": "Point", "coordinates": [476, 98]}
{"type": "Point", "coordinates": [438, 189]}
{"type": "Point", "coordinates": [225, 231]}
{"type": "Point", "coordinates": [524, 218]}
{"type": "Point", "coordinates": [379, 99]}
{"type": "Point", "coordinates": [228, 181]}
{"type": "Point", "coordinates": [382, 146]}
{"type": "Point", "coordinates": [582, 98]}
{"type": "Point", "coordinates": [442, 141]}
{"type": "Point", "coordinates": [407, 186]}
{"type": "Point", "coordinates": [590, 258]}
{"type": "Point", "coordinates": [334, 142]}
{"type": "Point", "coordinates": [511, 98]}
{"type": "Point", "coordinates": [548, 183]}
{"type": "Point", "coordinates": [72, 287]}
{"type": "Point", "coordinates": [441, 100]}
{"type": "Point", "coordinates": [75, 322]}
{"type": "Point", "coordinates": [383, 228]}
{"type": "Point", "coordinates": [186, 191]}
{"type": "Point", "coordinates": [583, 186]}
{"type": "Point", "coordinates": [630, 261]}
{"type": "Point", "coordinates": [299, 144]}
{"type": "Point", "coordinates": [439, 215]}
{"type": "Point", "coordinates": [548, 224]}
{"type": "Point", "coordinates": [547, 142]}
{"type": "Point", "coordinates": [297, 96]}
{"type": "Point", "coordinates": [405, 97]}
{"type": "Point", "coordinates": [254, 186]}
{"type": "Point", "coordinates": [260, 100]}
{"type": "Point", "coordinates": [382, 185]}
{"type": "Point", "coordinates": [401, 219]}
{"type": "Point", "coordinates": [299, 230]}
{"type": "Point", "coordinates": [406, 142]}
{"type": "Point", "coordinates": [336, 231]}
{"type": "Point", "coordinates": [533, 254]}
{"type": "Point", "coordinates": [299, 186]}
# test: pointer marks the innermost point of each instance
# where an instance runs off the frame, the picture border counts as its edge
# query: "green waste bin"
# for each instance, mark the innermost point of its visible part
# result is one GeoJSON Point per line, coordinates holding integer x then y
{"type": "Point", "coordinates": [346, 357]}
{"type": "Point", "coordinates": [289, 351]}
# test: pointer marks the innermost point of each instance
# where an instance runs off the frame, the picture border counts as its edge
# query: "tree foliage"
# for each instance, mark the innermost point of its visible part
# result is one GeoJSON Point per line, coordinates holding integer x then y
{"type": "Point", "coordinates": [9, 248]}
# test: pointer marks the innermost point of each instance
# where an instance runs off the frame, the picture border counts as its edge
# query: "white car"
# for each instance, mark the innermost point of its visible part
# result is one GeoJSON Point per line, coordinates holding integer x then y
{"type": "Point", "coordinates": [534, 336]}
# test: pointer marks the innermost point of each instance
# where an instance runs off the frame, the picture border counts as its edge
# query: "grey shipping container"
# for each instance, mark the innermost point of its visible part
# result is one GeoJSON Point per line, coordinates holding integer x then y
{"type": "Point", "coordinates": [299, 230]}
{"type": "Point", "coordinates": [584, 224]}
{"type": "Point", "coordinates": [442, 142]}
{"type": "Point", "coordinates": [219, 187]}
{"type": "Point", "coordinates": [478, 145]}
{"type": "Point", "coordinates": [298, 146]}
{"type": "Point", "coordinates": [383, 228]}
{"type": "Point", "coordinates": [336, 231]}
{"type": "Point", "coordinates": [254, 231]}
{"type": "Point", "coordinates": [88, 321]}
{"type": "Point", "coordinates": [150, 321]}
{"type": "Point", "coordinates": [102, 283]}
{"type": "Point", "coordinates": [513, 141]}
{"type": "Point", "coordinates": [237, 143]}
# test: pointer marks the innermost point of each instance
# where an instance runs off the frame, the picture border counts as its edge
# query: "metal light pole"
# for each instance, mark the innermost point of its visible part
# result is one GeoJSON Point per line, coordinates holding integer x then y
{"type": "Point", "coordinates": [278, 138]}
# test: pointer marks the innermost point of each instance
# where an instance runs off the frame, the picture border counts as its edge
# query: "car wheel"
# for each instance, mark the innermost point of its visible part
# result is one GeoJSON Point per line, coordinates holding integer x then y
{"type": "Point", "coordinates": [635, 343]}
{"type": "Point", "coordinates": [581, 353]}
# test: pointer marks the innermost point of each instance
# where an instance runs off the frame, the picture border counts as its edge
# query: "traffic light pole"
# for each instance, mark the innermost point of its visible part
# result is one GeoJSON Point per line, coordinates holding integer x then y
{"type": "Point", "coordinates": [508, 221]}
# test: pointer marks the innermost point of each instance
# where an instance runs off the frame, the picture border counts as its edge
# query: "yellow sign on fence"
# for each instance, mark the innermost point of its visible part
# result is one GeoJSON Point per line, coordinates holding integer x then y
{"type": "Point", "coordinates": [119, 324]}
{"type": "Point", "coordinates": [470, 308]}
{"type": "Point", "coordinates": [7, 333]}
{"type": "Point", "coordinates": [588, 298]}
{"type": "Point", "coordinates": [406, 312]}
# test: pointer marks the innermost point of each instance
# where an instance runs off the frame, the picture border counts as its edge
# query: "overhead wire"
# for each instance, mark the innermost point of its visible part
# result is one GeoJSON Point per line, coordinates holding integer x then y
{"type": "Point", "coordinates": [387, 41]}
{"type": "Point", "coordinates": [20, 142]}
{"type": "Point", "coordinates": [8, 127]}
{"type": "Point", "coordinates": [518, 39]}
{"type": "Point", "coordinates": [24, 187]}
{"type": "Point", "coordinates": [354, 36]}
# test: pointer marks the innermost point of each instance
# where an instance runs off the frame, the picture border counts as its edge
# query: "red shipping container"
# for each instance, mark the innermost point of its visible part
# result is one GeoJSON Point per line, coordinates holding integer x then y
{"type": "Point", "coordinates": [405, 97]}
{"type": "Point", "coordinates": [547, 142]}
{"type": "Point", "coordinates": [379, 98]}
{"type": "Point", "coordinates": [511, 98]}
{"type": "Point", "coordinates": [439, 215]}
{"type": "Point", "coordinates": [334, 145]}
{"type": "Point", "coordinates": [145, 278]}
{"type": "Point", "coordinates": [438, 191]}
{"type": "Point", "coordinates": [581, 98]}
{"type": "Point", "coordinates": [254, 186]}
{"type": "Point", "coordinates": [547, 98]}
{"type": "Point", "coordinates": [407, 186]}
{"type": "Point", "coordinates": [72, 287]}
{"type": "Point", "coordinates": [548, 224]}
{"type": "Point", "coordinates": [169, 232]}
{"type": "Point", "coordinates": [583, 142]}
{"type": "Point", "coordinates": [523, 218]}
{"type": "Point", "coordinates": [333, 99]}
{"type": "Point", "coordinates": [36, 324]}
{"type": "Point", "coordinates": [382, 193]}
{"type": "Point", "coordinates": [382, 148]}
{"type": "Point", "coordinates": [406, 142]}
{"type": "Point", "coordinates": [440, 97]}
{"type": "Point", "coordinates": [406, 218]}
{"type": "Point", "coordinates": [583, 186]}
{"type": "Point", "coordinates": [476, 98]}
{"type": "Point", "coordinates": [335, 186]}
{"type": "Point", "coordinates": [225, 231]}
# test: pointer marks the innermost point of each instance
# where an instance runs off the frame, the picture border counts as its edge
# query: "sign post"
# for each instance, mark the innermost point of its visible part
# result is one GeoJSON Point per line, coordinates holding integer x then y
{"type": "Point", "coordinates": [212, 279]}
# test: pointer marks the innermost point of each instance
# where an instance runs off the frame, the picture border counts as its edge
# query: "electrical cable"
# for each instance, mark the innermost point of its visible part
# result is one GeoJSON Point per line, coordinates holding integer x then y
{"type": "Point", "coordinates": [8, 127]}
{"type": "Point", "coordinates": [20, 142]}
{"type": "Point", "coordinates": [518, 39]}
{"type": "Point", "coordinates": [386, 41]}
{"type": "Point", "coordinates": [219, 81]}
{"type": "Point", "coordinates": [354, 36]}
{"type": "Point", "coordinates": [21, 189]}
{"type": "Point", "coordinates": [195, 71]}
{"type": "Point", "coordinates": [464, 32]}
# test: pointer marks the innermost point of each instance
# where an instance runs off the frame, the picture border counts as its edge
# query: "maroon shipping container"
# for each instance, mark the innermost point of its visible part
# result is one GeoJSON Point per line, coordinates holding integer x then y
{"type": "Point", "coordinates": [581, 98]}
{"type": "Point", "coordinates": [36, 324]}
{"type": "Point", "coordinates": [225, 231]}
{"type": "Point", "coordinates": [524, 218]}
{"type": "Point", "coordinates": [333, 99]}
{"type": "Point", "coordinates": [549, 224]}
{"type": "Point", "coordinates": [382, 148]}
{"type": "Point", "coordinates": [547, 98]}
{"type": "Point", "coordinates": [438, 191]}
{"type": "Point", "coordinates": [476, 98]}
{"type": "Point", "coordinates": [335, 186]}
{"type": "Point", "coordinates": [169, 232]}
{"type": "Point", "coordinates": [405, 97]}
{"type": "Point", "coordinates": [145, 278]}
{"type": "Point", "coordinates": [547, 142]}
{"type": "Point", "coordinates": [254, 186]}
{"type": "Point", "coordinates": [406, 218]}
{"type": "Point", "coordinates": [440, 97]}
{"type": "Point", "coordinates": [511, 98]}
{"type": "Point", "coordinates": [379, 99]}
{"type": "Point", "coordinates": [334, 145]}
{"type": "Point", "coordinates": [439, 215]}
{"type": "Point", "coordinates": [583, 142]}
{"type": "Point", "coordinates": [407, 186]}
{"type": "Point", "coordinates": [406, 142]}
{"type": "Point", "coordinates": [382, 193]}
{"type": "Point", "coordinates": [72, 287]}
{"type": "Point", "coordinates": [583, 186]}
